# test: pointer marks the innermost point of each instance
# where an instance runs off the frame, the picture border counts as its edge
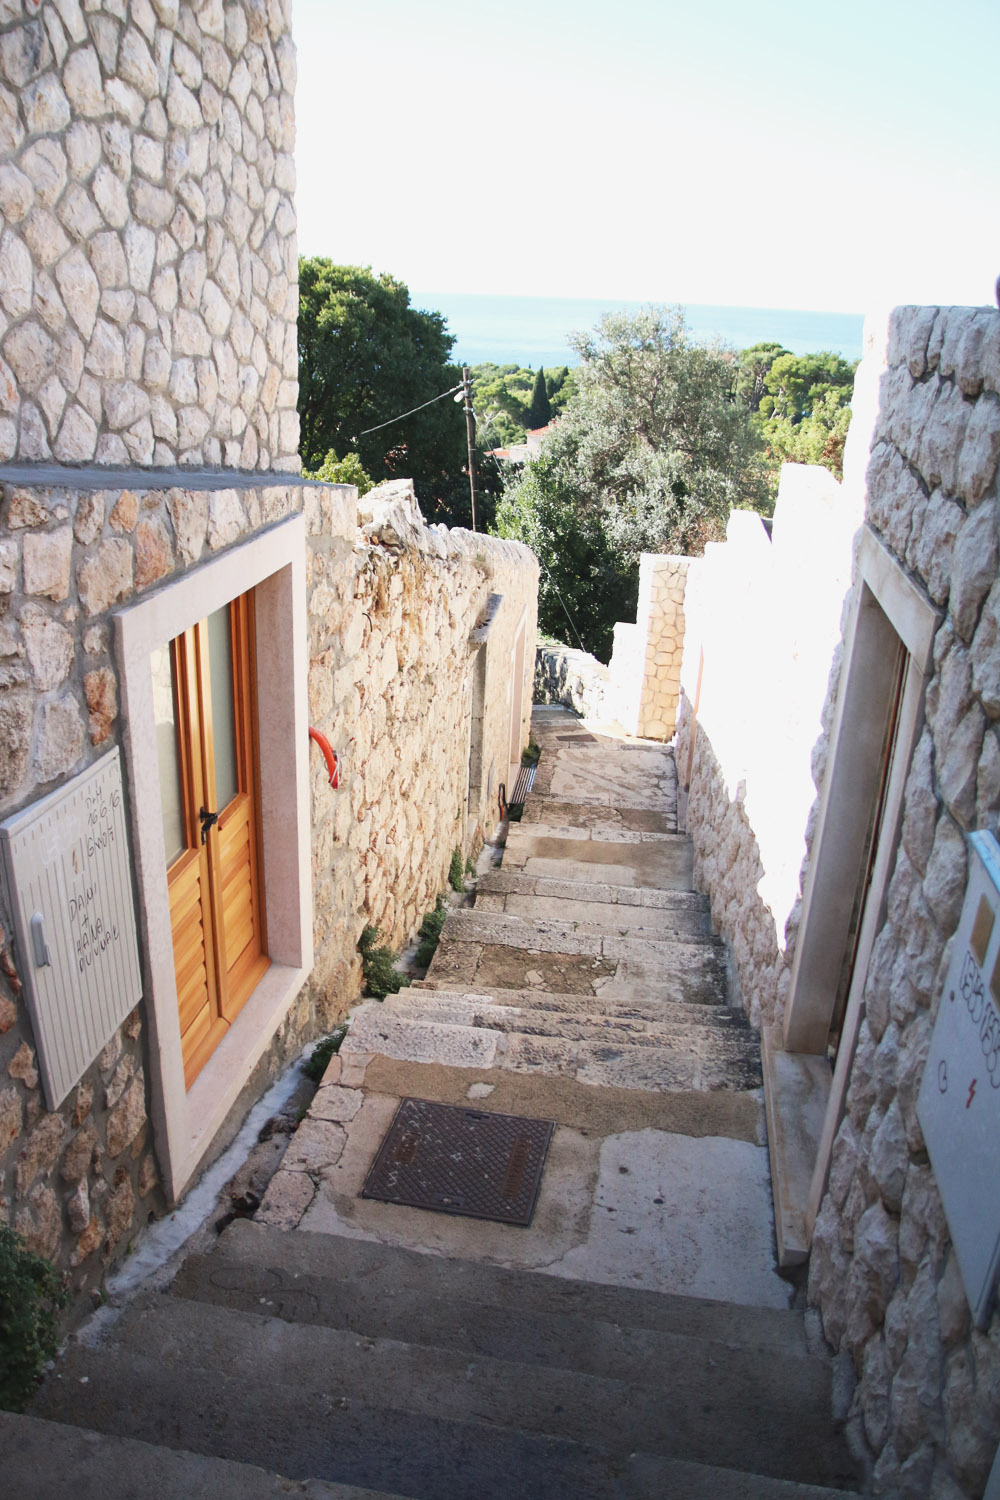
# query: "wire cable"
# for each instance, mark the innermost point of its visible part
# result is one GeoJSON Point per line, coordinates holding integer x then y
{"type": "Point", "coordinates": [379, 425]}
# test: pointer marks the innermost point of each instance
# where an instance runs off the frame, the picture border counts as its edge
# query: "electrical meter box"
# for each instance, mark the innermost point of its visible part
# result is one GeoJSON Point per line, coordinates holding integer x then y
{"type": "Point", "coordinates": [68, 887]}
{"type": "Point", "coordinates": [959, 1102]}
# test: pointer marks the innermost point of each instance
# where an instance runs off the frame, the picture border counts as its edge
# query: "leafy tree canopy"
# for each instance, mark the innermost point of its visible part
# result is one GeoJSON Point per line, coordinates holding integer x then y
{"type": "Point", "coordinates": [540, 410]}
{"type": "Point", "coordinates": [802, 404]}
{"type": "Point", "coordinates": [365, 356]}
{"type": "Point", "coordinates": [653, 451]}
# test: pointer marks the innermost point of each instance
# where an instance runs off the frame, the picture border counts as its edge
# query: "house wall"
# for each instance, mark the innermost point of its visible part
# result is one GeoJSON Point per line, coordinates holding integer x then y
{"type": "Point", "coordinates": [393, 608]}
{"type": "Point", "coordinates": [762, 625]}
{"type": "Point", "coordinates": [148, 259]}
{"type": "Point", "coordinates": [883, 1271]}
{"type": "Point", "coordinates": [148, 471]}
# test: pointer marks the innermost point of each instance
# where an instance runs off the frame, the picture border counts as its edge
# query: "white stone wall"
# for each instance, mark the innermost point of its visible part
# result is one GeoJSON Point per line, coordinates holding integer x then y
{"type": "Point", "coordinates": [762, 624]}
{"type": "Point", "coordinates": [148, 259]}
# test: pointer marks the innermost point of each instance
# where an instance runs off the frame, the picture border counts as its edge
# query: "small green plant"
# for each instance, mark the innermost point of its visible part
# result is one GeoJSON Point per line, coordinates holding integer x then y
{"type": "Point", "coordinates": [530, 754]}
{"type": "Point", "coordinates": [317, 1063]}
{"type": "Point", "coordinates": [381, 976]}
{"type": "Point", "coordinates": [31, 1294]}
{"type": "Point", "coordinates": [456, 871]}
{"type": "Point", "coordinates": [430, 932]}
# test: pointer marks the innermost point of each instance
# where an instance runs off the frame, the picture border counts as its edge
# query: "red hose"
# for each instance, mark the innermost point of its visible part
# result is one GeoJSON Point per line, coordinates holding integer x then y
{"type": "Point", "coordinates": [329, 755]}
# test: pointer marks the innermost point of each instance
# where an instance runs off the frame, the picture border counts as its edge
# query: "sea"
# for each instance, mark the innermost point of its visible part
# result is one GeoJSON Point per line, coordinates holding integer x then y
{"type": "Point", "coordinates": [533, 330]}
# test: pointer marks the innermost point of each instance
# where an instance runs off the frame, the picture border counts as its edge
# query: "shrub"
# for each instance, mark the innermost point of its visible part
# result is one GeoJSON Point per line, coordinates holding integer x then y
{"type": "Point", "coordinates": [31, 1294]}
{"type": "Point", "coordinates": [319, 1060]}
{"type": "Point", "coordinates": [381, 976]}
{"type": "Point", "coordinates": [430, 932]}
{"type": "Point", "coordinates": [456, 871]}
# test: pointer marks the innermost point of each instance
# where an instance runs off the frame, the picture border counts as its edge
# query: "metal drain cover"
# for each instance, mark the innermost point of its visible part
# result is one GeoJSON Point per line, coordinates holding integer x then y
{"type": "Point", "coordinates": [577, 739]}
{"type": "Point", "coordinates": [461, 1161]}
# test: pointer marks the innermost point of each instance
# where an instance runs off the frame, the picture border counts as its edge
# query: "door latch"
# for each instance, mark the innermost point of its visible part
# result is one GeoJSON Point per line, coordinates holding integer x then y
{"type": "Point", "coordinates": [208, 820]}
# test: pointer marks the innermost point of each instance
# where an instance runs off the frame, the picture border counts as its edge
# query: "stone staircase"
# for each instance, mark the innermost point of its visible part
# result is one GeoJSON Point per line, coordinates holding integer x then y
{"type": "Point", "coordinates": [634, 1342]}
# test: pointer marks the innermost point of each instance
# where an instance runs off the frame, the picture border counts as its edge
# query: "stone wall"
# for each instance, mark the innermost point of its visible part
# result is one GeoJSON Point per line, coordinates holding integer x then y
{"type": "Point", "coordinates": [574, 678]}
{"type": "Point", "coordinates": [763, 621]}
{"type": "Point", "coordinates": [79, 1181]}
{"type": "Point", "coordinates": [645, 666]}
{"type": "Point", "coordinates": [396, 625]}
{"type": "Point", "coordinates": [148, 259]}
{"type": "Point", "coordinates": [883, 1271]}
{"type": "Point", "coordinates": [394, 608]}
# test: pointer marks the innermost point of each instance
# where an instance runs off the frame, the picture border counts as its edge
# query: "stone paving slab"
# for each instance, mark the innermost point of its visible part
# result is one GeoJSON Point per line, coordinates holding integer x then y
{"type": "Point", "coordinates": [488, 966]}
{"type": "Point", "coordinates": [375, 1030]}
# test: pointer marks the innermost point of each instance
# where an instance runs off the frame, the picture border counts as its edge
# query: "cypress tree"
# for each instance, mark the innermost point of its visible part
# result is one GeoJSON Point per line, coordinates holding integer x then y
{"type": "Point", "coordinates": [539, 412]}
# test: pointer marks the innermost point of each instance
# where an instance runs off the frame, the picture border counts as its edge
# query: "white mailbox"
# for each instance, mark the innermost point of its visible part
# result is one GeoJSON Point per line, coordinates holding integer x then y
{"type": "Point", "coordinates": [68, 884]}
{"type": "Point", "coordinates": [959, 1103]}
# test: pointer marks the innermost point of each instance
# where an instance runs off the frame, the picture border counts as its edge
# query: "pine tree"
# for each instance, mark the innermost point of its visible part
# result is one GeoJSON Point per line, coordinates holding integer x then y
{"type": "Point", "coordinates": [539, 412]}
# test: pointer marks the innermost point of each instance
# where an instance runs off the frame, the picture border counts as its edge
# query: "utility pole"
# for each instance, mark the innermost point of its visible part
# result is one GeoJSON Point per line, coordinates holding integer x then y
{"type": "Point", "coordinates": [470, 429]}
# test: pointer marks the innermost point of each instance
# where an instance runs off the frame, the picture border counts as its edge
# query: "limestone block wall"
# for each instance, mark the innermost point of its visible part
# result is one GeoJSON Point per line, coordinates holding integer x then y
{"type": "Point", "coordinates": [394, 626]}
{"type": "Point", "coordinates": [574, 678]}
{"type": "Point", "coordinates": [883, 1271]}
{"type": "Point", "coordinates": [148, 259]}
{"type": "Point", "coordinates": [395, 617]}
{"type": "Point", "coordinates": [79, 1181]}
{"type": "Point", "coordinates": [923, 454]}
{"type": "Point", "coordinates": [763, 619]}
{"type": "Point", "coordinates": [645, 667]}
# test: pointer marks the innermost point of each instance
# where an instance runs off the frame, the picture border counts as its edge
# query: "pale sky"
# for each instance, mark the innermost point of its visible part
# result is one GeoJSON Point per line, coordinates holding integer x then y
{"type": "Point", "coordinates": [841, 157]}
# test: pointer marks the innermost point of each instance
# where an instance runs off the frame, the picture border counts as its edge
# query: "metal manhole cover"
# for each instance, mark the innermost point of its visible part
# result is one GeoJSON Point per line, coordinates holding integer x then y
{"type": "Point", "coordinates": [461, 1161]}
{"type": "Point", "coordinates": [577, 739]}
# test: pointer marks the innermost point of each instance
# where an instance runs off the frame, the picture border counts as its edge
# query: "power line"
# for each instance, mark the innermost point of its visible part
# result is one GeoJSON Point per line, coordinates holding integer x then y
{"type": "Point", "coordinates": [410, 413]}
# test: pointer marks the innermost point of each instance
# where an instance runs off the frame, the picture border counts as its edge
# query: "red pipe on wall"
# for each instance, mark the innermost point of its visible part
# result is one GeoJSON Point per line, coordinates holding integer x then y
{"type": "Point", "coordinates": [329, 755]}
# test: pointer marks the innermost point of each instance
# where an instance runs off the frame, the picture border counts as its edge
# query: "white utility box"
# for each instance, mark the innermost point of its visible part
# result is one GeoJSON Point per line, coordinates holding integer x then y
{"type": "Point", "coordinates": [959, 1103]}
{"type": "Point", "coordinates": [68, 887]}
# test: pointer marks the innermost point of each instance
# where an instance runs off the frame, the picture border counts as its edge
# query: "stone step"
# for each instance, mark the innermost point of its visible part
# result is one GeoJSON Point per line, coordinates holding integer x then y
{"type": "Point", "coordinates": [42, 1460]}
{"type": "Point", "coordinates": [610, 918]}
{"type": "Point", "coordinates": [585, 1007]}
{"type": "Point", "coordinates": [439, 1008]}
{"type": "Point", "coordinates": [381, 1275]}
{"type": "Point", "coordinates": [302, 1390]}
{"type": "Point", "coordinates": [691, 1058]}
{"type": "Point", "coordinates": [47, 1461]}
{"type": "Point", "coordinates": [659, 862]}
{"type": "Point", "coordinates": [541, 934]}
{"type": "Point", "coordinates": [501, 881]}
{"type": "Point", "coordinates": [319, 1428]}
{"type": "Point", "coordinates": [556, 812]}
{"type": "Point", "coordinates": [443, 1317]}
{"type": "Point", "coordinates": [628, 968]}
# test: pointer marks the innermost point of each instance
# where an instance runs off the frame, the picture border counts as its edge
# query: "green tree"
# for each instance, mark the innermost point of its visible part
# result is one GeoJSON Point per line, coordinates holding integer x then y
{"type": "Point", "coordinates": [539, 412]}
{"type": "Point", "coordinates": [652, 453]}
{"type": "Point", "coordinates": [365, 356]}
{"type": "Point", "coordinates": [346, 470]}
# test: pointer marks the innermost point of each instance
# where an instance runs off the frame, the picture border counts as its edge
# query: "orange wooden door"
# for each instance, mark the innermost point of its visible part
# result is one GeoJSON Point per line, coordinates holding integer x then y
{"type": "Point", "coordinates": [210, 795]}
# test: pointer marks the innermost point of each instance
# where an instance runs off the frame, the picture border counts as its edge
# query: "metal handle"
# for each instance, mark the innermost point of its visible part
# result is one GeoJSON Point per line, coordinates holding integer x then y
{"type": "Point", "coordinates": [208, 820]}
{"type": "Point", "coordinates": [36, 927]}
